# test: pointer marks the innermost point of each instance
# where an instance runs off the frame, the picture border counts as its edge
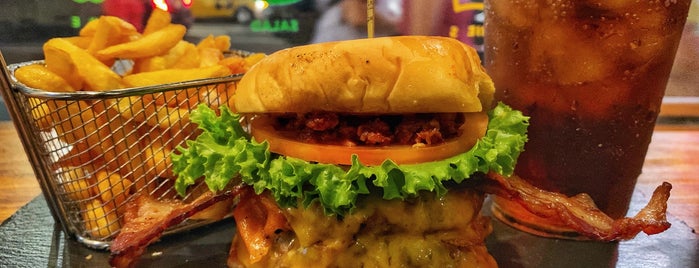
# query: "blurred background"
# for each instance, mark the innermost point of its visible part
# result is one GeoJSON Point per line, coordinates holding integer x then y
{"type": "Point", "coordinates": [270, 25]}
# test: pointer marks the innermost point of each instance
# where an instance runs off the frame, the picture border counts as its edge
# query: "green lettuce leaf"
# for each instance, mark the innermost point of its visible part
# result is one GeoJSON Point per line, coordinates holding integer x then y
{"type": "Point", "coordinates": [224, 150]}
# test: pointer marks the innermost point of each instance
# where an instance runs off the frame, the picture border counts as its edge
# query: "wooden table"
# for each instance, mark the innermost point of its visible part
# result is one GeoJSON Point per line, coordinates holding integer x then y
{"type": "Point", "coordinates": [672, 157]}
{"type": "Point", "coordinates": [18, 183]}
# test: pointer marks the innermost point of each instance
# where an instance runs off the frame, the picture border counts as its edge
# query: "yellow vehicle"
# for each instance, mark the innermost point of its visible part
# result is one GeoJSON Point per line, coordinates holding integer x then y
{"type": "Point", "coordinates": [242, 11]}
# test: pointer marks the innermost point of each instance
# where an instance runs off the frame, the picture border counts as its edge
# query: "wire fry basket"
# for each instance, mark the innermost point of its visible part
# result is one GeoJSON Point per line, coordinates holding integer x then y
{"type": "Point", "coordinates": [93, 152]}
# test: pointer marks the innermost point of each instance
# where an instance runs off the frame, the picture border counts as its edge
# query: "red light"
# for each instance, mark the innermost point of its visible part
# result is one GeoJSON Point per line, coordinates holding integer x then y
{"type": "Point", "coordinates": [161, 4]}
{"type": "Point", "coordinates": [187, 3]}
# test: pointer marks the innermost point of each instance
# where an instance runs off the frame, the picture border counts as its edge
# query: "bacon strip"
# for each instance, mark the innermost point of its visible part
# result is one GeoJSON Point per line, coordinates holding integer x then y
{"type": "Point", "coordinates": [259, 219]}
{"type": "Point", "coordinates": [146, 219]}
{"type": "Point", "coordinates": [580, 213]}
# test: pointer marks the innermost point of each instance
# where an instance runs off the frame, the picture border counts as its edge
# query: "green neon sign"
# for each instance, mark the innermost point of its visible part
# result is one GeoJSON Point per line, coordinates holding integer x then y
{"type": "Point", "coordinates": [279, 2]}
{"type": "Point", "coordinates": [275, 26]}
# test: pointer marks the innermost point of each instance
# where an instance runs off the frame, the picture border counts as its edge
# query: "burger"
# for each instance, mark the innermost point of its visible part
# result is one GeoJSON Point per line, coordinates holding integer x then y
{"type": "Point", "coordinates": [363, 153]}
{"type": "Point", "coordinates": [359, 153]}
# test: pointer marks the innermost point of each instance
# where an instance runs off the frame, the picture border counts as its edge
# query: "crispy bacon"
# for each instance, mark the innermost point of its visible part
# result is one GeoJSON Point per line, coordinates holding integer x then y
{"type": "Point", "coordinates": [259, 219]}
{"type": "Point", "coordinates": [580, 213]}
{"type": "Point", "coordinates": [146, 219]}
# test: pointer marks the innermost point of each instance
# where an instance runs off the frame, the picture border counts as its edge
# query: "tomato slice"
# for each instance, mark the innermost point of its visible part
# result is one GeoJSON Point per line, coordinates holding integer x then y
{"type": "Point", "coordinates": [473, 129]}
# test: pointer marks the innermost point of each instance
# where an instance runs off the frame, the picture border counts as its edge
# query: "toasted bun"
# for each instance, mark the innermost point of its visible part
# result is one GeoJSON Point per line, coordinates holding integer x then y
{"type": "Point", "coordinates": [405, 74]}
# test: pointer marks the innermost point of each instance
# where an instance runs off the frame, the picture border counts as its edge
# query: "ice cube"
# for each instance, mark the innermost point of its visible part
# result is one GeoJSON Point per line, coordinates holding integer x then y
{"type": "Point", "coordinates": [518, 13]}
{"type": "Point", "coordinates": [569, 57]}
{"type": "Point", "coordinates": [611, 4]}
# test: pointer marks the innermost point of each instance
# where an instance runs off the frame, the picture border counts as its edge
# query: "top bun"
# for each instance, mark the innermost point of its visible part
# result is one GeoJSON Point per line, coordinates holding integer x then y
{"type": "Point", "coordinates": [402, 74]}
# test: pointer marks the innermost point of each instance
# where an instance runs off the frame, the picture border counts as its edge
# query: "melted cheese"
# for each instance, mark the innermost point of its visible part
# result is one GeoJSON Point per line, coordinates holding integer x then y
{"type": "Point", "coordinates": [421, 232]}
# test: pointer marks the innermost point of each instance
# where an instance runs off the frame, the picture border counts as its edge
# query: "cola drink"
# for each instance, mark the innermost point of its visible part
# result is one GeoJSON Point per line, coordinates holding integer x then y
{"type": "Point", "coordinates": [592, 75]}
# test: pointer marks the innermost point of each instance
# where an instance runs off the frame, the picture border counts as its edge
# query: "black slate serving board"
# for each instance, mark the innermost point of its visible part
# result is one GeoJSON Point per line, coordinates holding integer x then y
{"type": "Point", "coordinates": [31, 239]}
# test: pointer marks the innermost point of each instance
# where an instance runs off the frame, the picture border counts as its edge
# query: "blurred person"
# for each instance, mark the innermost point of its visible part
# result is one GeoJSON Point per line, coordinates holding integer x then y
{"type": "Point", "coordinates": [460, 19]}
{"type": "Point", "coordinates": [683, 78]}
{"type": "Point", "coordinates": [132, 11]}
{"type": "Point", "coordinates": [347, 19]}
{"type": "Point", "coordinates": [137, 12]}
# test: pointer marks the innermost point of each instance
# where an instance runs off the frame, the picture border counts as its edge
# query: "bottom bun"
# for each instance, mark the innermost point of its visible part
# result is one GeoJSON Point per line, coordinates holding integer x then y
{"type": "Point", "coordinates": [420, 232]}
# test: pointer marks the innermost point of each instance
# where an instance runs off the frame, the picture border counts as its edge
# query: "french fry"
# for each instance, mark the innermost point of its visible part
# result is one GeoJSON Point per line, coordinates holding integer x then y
{"type": "Point", "coordinates": [221, 42]}
{"type": "Point", "coordinates": [138, 108]}
{"type": "Point", "coordinates": [239, 64]}
{"type": "Point", "coordinates": [39, 77]}
{"type": "Point", "coordinates": [41, 112]}
{"type": "Point", "coordinates": [112, 188]}
{"type": "Point", "coordinates": [184, 55]}
{"type": "Point", "coordinates": [158, 157]}
{"type": "Point", "coordinates": [158, 19]}
{"type": "Point", "coordinates": [211, 49]}
{"type": "Point", "coordinates": [174, 75]}
{"type": "Point", "coordinates": [110, 31]}
{"type": "Point", "coordinates": [150, 64]}
{"type": "Point", "coordinates": [168, 117]}
{"type": "Point", "coordinates": [83, 156]}
{"type": "Point", "coordinates": [82, 42]}
{"type": "Point", "coordinates": [121, 145]}
{"type": "Point", "coordinates": [76, 183]}
{"type": "Point", "coordinates": [235, 63]}
{"type": "Point", "coordinates": [253, 58]}
{"type": "Point", "coordinates": [153, 44]}
{"type": "Point", "coordinates": [189, 59]}
{"type": "Point", "coordinates": [100, 219]}
{"type": "Point", "coordinates": [89, 29]}
{"type": "Point", "coordinates": [209, 56]}
{"type": "Point", "coordinates": [67, 60]}
{"type": "Point", "coordinates": [75, 122]}
{"type": "Point", "coordinates": [57, 59]}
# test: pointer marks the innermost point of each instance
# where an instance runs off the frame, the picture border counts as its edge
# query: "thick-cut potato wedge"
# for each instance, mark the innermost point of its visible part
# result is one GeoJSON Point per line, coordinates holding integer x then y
{"type": "Point", "coordinates": [235, 63]}
{"type": "Point", "coordinates": [158, 19]}
{"type": "Point", "coordinates": [77, 184]}
{"type": "Point", "coordinates": [83, 156]}
{"type": "Point", "coordinates": [209, 56]}
{"type": "Point", "coordinates": [68, 60]}
{"type": "Point", "coordinates": [112, 187]}
{"type": "Point", "coordinates": [80, 41]}
{"type": "Point", "coordinates": [57, 59]}
{"type": "Point", "coordinates": [41, 112]}
{"type": "Point", "coordinates": [189, 59]}
{"type": "Point", "coordinates": [110, 31]}
{"type": "Point", "coordinates": [158, 158]}
{"type": "Point", "coordinates": [75, 122]}
{"type": "Point", "coordinates": [100, 219]}
{"type": "Point", "coordinates": [174, 75]}
{"type": "Point", "coordinates": [149, 64]}
{"type": "Point", "coordinates": [39, 77]}
{"type": "Point", "coordinates": [252, 59]}
{"type": "Point", "coordinates": [175, 57]}
{"type": "Point", "coordinates": [138, 108]}
{"type": "Point", "coordinates": [89, 29]}
{"type": "Point", "coordinates": [153, 44]}
{"type": "Point", "coordinates": [119, 144]}
{"type": "Point", "coordinates": [184, 55]}
{"type": "Point", "coordinates": [220, 42]}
